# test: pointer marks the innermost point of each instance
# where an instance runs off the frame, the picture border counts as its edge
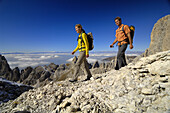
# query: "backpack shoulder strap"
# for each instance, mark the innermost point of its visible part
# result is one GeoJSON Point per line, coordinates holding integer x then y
{"type": "Point", "coordinates": [123, 28]}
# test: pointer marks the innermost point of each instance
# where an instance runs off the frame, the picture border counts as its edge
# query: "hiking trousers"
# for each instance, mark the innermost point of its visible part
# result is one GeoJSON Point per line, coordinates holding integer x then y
{"type": "Point", "coordinates": [121, 61]}
{"type": "Point", "coordinates": [82, 60]}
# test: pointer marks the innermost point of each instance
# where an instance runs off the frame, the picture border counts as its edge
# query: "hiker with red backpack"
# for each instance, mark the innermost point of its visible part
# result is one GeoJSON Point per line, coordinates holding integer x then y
{"type": "Point", "coordinates": [85, 43]}
{"type": "Point", "coordinates": [124, 36]}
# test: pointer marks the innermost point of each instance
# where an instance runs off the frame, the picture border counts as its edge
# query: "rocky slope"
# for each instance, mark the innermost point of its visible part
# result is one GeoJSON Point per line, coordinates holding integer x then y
{"type": "Point", "coordinates": [11, 90]}
{"type": "Point", "coordinates": [143, 87]}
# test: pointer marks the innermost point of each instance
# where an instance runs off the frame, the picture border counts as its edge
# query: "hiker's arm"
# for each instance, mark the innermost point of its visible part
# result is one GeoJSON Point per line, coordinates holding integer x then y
{"type": "Point", "coordinates": [84, 36]}
{"type": "Point", "coordinates": [127, 32]}
{"type": "Point", "coordinates": [130, 40]}
{"type": "Point", "coordinates": [113, 42]}
{"type": "Point", "coordinates": [75, 49]}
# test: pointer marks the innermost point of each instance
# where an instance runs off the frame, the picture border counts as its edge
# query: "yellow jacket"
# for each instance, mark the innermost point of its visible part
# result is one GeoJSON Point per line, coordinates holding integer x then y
{"type": "Point", "coordinates": [82, 45]}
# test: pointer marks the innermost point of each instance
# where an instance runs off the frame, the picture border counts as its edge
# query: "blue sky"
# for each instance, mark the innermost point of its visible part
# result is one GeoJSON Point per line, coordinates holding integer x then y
{"type": "Point", "coordinates": [48, 25]}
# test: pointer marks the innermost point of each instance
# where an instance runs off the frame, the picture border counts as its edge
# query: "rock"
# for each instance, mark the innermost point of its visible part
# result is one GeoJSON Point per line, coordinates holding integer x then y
{"type": "Point", "coordinates": [74, 60]}
{"type": "Point", "coordinates": [22, 111]}
{"type": "Point", "coordinates": [61, 67]}
{"type": "Point", "coordinates": [44, 76]}
{"type": "Point", "coordinates": [160, 36]}
{"type": "Point", "coordinates": [147, 91]}
{"type": "Point", "coordinates": [11, 90]}
{"type": "Point", "coordinates": [160, 68]}
{"type": "Point", "coordinates": [34, 75]}
{"type": "Point", "coordinates": [95, 65]}
{"type": "Point", "coordinates": [25, 73]}
{"type": "Point", "coordinates": [15, 74]}
{"type": "Point", "coordinates": [52, 67]}
{"type": "Point", "coordinates": [5, 70]}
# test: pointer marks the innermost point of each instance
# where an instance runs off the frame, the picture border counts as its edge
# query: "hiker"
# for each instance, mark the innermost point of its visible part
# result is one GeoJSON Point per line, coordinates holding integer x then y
{"type": "Point", "coordinates": [123, 37]}
{"type": "Point", "coordinates": [83, 47]}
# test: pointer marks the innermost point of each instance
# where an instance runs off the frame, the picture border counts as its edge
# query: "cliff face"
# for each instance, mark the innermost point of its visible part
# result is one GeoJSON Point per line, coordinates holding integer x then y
{"type": "Point", "coordinates": [136, 88]}
{"type": "Point", "coordinates": [160, 36]}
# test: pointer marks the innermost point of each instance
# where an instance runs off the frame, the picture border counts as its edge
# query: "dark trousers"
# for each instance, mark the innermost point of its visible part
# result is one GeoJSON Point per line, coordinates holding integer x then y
{"type": "Point", "coordinates": [121, 61]}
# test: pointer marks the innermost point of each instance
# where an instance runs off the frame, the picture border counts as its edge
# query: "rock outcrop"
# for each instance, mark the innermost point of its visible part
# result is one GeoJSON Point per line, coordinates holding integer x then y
{"type": "Point", "coordinates": [5, 70]}
{"type": "Point", "coordinates": [11, 90]}
{"type": "Point", "coordinates": [160, 36]}
{"type": "Point", "coordinates": [140, 87]}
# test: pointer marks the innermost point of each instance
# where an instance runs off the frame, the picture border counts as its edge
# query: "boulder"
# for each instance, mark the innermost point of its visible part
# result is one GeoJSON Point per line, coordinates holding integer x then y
{"type": "Point", "coordinates": [160, 36]}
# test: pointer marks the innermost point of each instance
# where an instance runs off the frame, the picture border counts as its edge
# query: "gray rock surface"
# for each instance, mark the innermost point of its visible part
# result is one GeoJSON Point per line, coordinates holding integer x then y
{"type": "Point", "coordinates": [25, 73]}
{"type": "Point", "coordinates": [5, 70]}
{"type": "Point", "coordinates": [11, 90]}
{"type": "Point", "coordinates": [141, 87]}
{"type": "Point", "coordinates": [160, 36]}
{"type": "Point", "coordinates": [15, 74]}
{"type": "Point", "coordinates": [95, 65]}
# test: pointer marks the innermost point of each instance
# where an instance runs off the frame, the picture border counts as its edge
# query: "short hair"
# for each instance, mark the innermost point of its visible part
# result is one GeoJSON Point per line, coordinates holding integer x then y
{"type": "Point", "coordinates": [118, 18]}
{"type": "Point", "coordinates": [78, 25]}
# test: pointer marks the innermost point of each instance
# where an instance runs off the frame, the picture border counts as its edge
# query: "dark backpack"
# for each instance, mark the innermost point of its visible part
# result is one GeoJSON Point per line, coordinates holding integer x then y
{"type": "Point", "coordinates": [90, 40]}
{"type": "Point", "coordinates": [132, 31]}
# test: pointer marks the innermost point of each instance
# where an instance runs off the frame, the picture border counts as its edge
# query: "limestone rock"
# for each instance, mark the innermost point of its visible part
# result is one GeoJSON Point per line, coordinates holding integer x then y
{"type": "Point", "coordinates": [95, 65]}
{"type": "Point", "coordinates": [25, 73]}
{"type": "Point", "coordinates": [15, 74]}
{"type": "Point", "coordinates": [5, 70]}
{"type": "Point", "coordinates": [11, 90]}
{"type": "Point", "coordinates": [160, 36]}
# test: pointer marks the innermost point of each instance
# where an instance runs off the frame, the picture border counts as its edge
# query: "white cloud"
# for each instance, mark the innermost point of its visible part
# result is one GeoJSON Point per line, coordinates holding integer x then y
{"type": "Point", "coordinates": [90, 60]}
{"type": "Point", "coordinates": [25, 60]}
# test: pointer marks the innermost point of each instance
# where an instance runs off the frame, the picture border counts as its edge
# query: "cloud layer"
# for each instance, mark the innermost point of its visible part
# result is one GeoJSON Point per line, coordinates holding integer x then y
{"type": "Point", "coordinates": [35, 59]}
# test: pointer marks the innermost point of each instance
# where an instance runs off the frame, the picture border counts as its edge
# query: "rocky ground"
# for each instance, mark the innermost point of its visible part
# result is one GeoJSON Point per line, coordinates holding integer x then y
{"type": "Point", "coordinates": [143, 87]}
{"type": "Point", "coordinates": [11, 90]}
{"type": "Point", "coordinates": [113, 59]}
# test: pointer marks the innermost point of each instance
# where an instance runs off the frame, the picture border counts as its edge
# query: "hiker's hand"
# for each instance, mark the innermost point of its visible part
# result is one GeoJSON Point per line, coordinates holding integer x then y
{"type": "Point", "coordinates": [131, 46]}
{"type": "Point", "coordinates": [111, 45]}
{"type": "Point", "coordinates": [73, 53]}
{"type": "Point", "coordinates": [87, 56]}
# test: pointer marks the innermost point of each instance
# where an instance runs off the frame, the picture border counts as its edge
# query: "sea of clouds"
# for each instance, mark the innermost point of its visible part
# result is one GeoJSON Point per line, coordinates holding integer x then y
{"type": "Point", "coordinates": [23, 60]}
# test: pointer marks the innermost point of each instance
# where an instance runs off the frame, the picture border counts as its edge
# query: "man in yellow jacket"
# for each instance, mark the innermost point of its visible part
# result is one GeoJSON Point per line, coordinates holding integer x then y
{"type": "Point", "coordinates": [83, 47]}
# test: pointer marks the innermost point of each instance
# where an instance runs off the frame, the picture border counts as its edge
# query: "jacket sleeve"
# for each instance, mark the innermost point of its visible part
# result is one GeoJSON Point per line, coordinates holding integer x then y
{"type": "Point", "coordinates": [84, 37]}
{"type": "Point", "coordinates": [76, 48]}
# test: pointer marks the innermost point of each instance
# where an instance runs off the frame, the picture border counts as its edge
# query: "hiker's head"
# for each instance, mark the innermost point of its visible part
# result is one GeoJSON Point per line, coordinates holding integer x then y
{"type": "Point", "coordinates": [78, 28]}
{"type": "Point", "coordinates": [118, 21]}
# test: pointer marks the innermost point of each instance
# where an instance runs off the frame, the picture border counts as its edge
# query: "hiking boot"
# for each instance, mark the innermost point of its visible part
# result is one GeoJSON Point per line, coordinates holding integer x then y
{"type": "Point", "coordinates": [116, 68]}
{"type": "Point", "coordinates": [73, 80]}
{"type": "Point", "coordinates": [88, 78]}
